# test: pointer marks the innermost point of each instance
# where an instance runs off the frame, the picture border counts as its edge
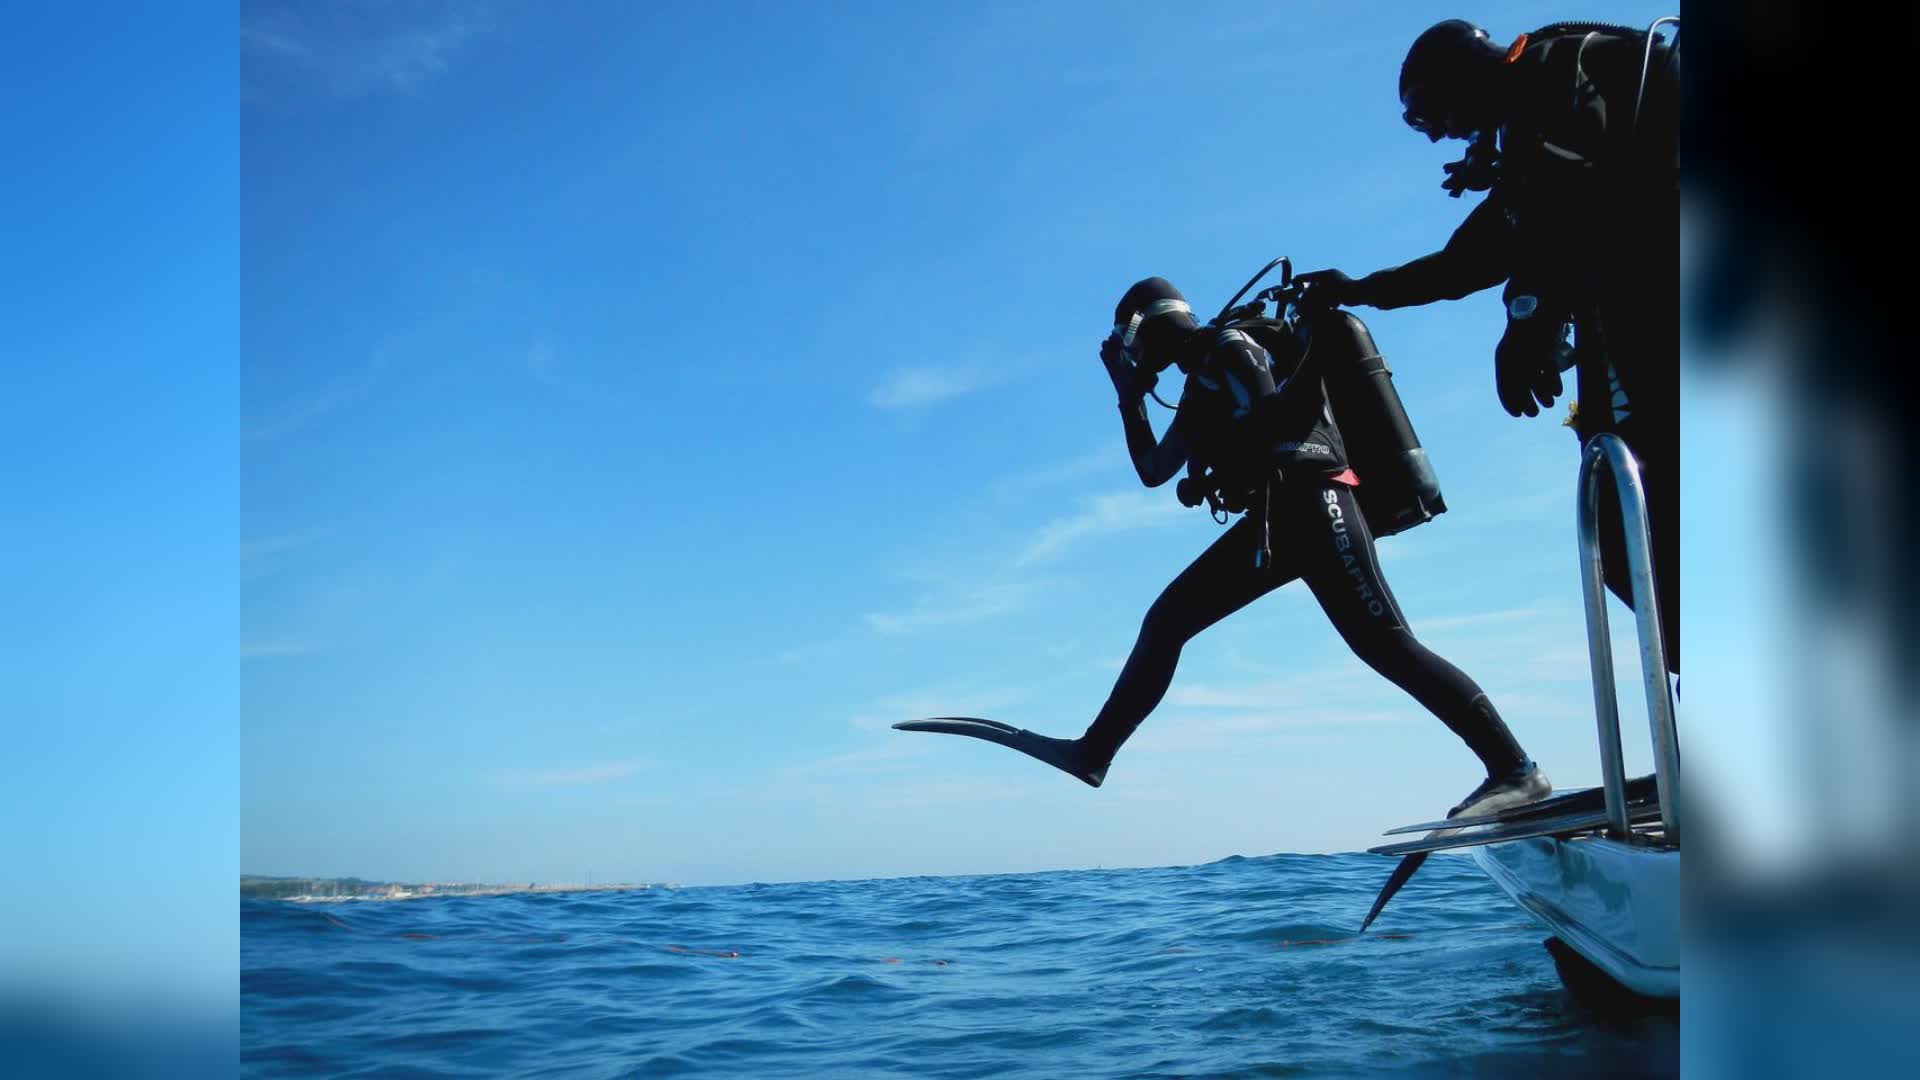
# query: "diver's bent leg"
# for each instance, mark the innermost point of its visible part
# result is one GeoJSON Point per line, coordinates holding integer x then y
{"type": "Point", "coordinates": [1446, 692]}
{"type": "Point", "coordinates": [1346, 579]}
{"type": "Point", "coordinates": [1221, 581]}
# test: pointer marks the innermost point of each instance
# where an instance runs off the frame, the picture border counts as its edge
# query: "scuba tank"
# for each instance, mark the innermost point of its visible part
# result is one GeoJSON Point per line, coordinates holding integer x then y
{"type": "Point", "coordinates": [1398, 487]}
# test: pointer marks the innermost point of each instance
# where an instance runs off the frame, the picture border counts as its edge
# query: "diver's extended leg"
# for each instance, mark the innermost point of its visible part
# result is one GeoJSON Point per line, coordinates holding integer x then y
{"type": "Point", "coordinates": [1218, 583]}
{"type": "Point", "coordinates": [1221, 581]}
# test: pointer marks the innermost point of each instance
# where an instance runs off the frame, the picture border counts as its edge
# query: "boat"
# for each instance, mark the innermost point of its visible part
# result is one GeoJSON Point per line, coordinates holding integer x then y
{"type": "Point", "coordinates": [1599, 867]}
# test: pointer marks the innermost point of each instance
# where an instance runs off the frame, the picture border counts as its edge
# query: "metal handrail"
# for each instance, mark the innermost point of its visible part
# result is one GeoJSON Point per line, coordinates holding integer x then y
{"type": "Point", "coordinates": [1607, 451]}
{"type": "Point", "coordinates": [1646, 64]}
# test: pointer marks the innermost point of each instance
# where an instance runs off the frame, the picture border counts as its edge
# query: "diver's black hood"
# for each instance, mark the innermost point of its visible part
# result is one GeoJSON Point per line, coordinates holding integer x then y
{"type": "Point", "coordinates": [1167, 320]}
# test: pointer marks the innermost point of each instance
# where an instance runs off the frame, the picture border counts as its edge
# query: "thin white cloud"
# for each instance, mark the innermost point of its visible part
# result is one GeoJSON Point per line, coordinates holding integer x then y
{"type": "Point", "coordinates": [1257, 695]}
{"type": "Point", "coordinates": [1185, 734]}
{"type": "Point", "coordinates": [1224, 697]}
{"type": "Point", "coordinates": [1101, 515]}
{"type": "Point", "coordinates": [544, 364]}
{"type": "Point", "coordinates": [1346, 680]}
{"type": "Point", "coordinates": [936, 701]}
{"type": "Point", "coordinates": [1480, 618]}
{"type": "Point", "coordinates": [912, 388]}
{"type": "Point", "coordinates": [346, 388]}
{"type": "Point", "coordinates": [582, 776]}
{"type": "Point", "coordinates": [266, 648]}
{"type": "Point", "coordinates": [1546, 504]}
{"type": "Point", "coordinates": [541, 360]}
{"type": "Point", "coordinates": [951, 608]}
{"type": "Point", "coordinates": [1390, 549]}
{"type": "Point", "coordinates": [304, 412]}
{"type": "Point", "coordinates": [920, 795]}
{"type": "Point", "coordinates": [272, 545]}
{"type": "Point", "coordinates": [261, 39]}
{"type": "Point", "coordinates": [879, 760]}
{"type": "Point", "coordinates": [1564, 662]}
{"type": "Point", "coordinates": [346, 50]}
{"type": "Point", "coordinates": [1111, 458]}
{"type": "Point", "coordinates": [1524, 710]}
{"type": "Point", "coordinates": [266, 555]}
{"type": "Point", "coordinates": [413, 57]}
{"type": "Point", "coordinates": [819, 648]}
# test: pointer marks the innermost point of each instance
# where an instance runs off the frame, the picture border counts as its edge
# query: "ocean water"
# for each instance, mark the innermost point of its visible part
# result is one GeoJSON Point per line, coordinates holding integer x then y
{"type": "Point", "coordinates": [1243, 967]}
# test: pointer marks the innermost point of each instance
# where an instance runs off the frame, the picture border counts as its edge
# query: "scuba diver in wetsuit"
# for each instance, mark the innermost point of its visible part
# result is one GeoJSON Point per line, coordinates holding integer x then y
{"type": "Point", "coordinates": [1573, 132]}
{"type": "Point", "coordinates": [1264, 441]}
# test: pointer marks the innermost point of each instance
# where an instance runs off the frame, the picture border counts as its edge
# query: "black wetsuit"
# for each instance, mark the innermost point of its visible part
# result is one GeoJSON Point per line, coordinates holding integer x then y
{"type": "Point", "coordinates": [1585, 212]}
{"type": "Point", "coordinates": [1234, 419]}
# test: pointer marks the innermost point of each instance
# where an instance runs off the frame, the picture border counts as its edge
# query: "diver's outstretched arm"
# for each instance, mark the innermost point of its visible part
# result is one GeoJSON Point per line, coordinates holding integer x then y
{"type": "Point", "coordinates": [1443, 275]}
{"type": "Point", "coordinates": [1477, 256]}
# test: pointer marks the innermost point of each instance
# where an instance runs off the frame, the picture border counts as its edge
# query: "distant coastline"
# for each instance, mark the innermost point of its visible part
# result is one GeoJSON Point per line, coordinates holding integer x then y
{"type": "Point", "coordinates": [316, 890]}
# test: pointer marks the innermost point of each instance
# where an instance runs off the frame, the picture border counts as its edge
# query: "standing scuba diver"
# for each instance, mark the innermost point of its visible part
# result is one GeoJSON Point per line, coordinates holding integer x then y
{"type": "Point", "coordinates": [1256, 432]}
{"type": "Point", "coordinates": [1573, 132]}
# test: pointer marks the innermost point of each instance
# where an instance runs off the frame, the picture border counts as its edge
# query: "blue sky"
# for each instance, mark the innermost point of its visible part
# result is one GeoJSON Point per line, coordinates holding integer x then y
{"type": "Point", "coordinates": [641, 409]}
{"type": "Point", "coordinates": [120, 340]}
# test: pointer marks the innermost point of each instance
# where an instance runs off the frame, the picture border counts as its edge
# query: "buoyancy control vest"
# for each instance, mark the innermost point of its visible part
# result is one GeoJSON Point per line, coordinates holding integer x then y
{"type": "Point", "coordinates": [1332, 406]}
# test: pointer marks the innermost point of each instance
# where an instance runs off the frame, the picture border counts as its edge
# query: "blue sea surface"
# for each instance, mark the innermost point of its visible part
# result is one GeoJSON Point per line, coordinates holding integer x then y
{"type": "Point", "coordinates": [1243, 967]}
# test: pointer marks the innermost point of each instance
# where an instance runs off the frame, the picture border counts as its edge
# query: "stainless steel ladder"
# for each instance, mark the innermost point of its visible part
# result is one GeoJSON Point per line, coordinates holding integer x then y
{"type": "Point", "coordinates": [1607, 455]}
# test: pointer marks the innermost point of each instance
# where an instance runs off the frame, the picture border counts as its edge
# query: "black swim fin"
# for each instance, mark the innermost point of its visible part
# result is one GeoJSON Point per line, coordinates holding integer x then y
{"type": "Point", "coordinates": [1062, 754]}
{"type": "Point", "coordinates": [1469, 811]}
{"type": "Point", "coordinates": [1401, 873]}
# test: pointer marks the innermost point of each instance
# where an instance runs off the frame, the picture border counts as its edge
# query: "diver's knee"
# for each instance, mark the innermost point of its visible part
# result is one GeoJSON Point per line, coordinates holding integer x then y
{"type": "Point", "coordinates": [1162, 626]}
{"type": "Point", "coordinates": [1384, 650]}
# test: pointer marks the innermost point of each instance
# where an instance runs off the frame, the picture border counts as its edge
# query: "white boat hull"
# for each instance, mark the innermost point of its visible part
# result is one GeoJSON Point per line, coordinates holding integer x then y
{"type": "Point", "coordinates": [1616, 904]}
